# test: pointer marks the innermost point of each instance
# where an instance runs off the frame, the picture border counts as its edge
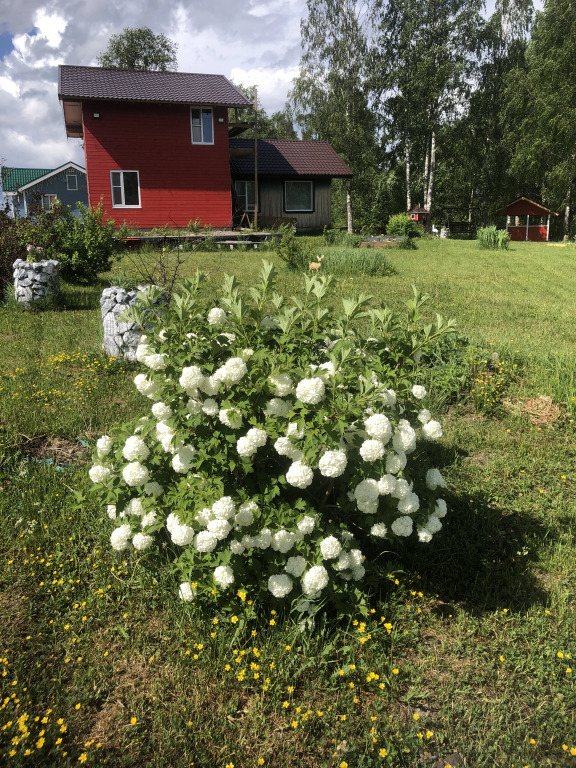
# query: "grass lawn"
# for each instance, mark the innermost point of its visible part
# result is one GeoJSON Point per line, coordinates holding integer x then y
{"type": "Point", "coordinates": [467, 655]}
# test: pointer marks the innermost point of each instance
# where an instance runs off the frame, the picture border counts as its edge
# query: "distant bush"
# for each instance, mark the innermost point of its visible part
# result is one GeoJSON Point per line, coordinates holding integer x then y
{"type": "Point", "coordinates": [290, 250]}
{"type": "Point", "coordinates": [341, 237]}
{"type": "Point", "coordinates": [492, 238]}
{"type": "Point", "coordinates": [356, 261]}
{"type": "Point", "coordinates": [11, 247]}
{"type": "Point", "coordinates": [401, 225]}
{"type": "Point", "coordinates": [407, 244]}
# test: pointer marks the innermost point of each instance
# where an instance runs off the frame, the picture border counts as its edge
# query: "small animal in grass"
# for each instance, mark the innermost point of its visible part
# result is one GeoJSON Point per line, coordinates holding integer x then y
{"type": "Point", "coordinates": [314, 266]}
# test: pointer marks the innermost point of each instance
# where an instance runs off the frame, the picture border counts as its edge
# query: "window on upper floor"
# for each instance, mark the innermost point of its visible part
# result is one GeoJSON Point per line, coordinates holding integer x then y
{"type": "Point", "coordinates": [125, 189]}
{"type": "Point", "coordinates": [298, 196]}
{"type": "Point", "coordinates": [245, 194]}
{"type": "Point", "coordinates": [202, 125]}
{"type": "Point", "coordinates": [71, 182]}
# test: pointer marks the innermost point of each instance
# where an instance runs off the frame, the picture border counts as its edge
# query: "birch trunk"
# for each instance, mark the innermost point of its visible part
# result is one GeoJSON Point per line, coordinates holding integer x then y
{"type": "Point", "coordinates": [567, 214]}
{"type": "Point", "coordinates": [430, 191]}
{"type": "Point", "coordinates": [349, 207]}
{"type": "Point", "coordinates": [408, 182]}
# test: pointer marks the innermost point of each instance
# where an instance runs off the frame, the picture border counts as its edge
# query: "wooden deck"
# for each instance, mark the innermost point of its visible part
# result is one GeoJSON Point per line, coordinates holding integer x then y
{"type": "Point", "coordinates": [228, 239]}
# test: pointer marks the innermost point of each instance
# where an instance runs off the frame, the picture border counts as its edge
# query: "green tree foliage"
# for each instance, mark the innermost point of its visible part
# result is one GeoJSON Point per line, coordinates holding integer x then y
{"type": "Point", "coordinates": [279, 125]}
{"type": "Point", "coordinates": [140, 49]}
{"type": "Point", "coordinates": [330, 97]}
{"type": "Point", "coordinates": [542, 107]}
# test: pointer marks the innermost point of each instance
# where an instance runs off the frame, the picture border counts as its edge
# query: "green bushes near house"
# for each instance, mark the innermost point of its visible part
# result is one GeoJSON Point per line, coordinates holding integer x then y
{"type": "Point", "coordinates": [401, 225]}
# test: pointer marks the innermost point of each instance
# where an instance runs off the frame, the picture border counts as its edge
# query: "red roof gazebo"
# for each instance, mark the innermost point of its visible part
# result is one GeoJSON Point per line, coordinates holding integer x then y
{"type": "Point", "coordinates": [535, 229]}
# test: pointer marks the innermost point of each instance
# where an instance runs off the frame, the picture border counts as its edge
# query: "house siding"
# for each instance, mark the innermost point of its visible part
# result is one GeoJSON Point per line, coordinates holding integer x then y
{"type": "Point", "coordinates": [271, 203]}
{"type": "Point", "coordinates": [55, 185]}
{"type": "Point", "coordinates": [179, 181]}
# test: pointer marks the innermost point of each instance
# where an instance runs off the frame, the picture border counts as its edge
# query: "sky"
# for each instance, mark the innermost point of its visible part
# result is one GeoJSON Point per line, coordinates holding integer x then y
{"type": "Point", "coordinates": [253, 42]}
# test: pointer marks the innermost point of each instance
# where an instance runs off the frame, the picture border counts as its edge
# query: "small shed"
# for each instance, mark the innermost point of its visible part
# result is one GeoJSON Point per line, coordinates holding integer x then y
{"type": "Point", "coordinates": [527, 220]}
{"type": "Point", "coordinates": [419, 214]}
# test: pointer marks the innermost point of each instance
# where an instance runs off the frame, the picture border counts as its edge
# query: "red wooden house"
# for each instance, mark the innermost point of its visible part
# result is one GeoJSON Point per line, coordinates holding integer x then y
{"type": "Point", "coordinates": [531, 220]}
{"type": "Point", "coordinates": [419, 214]}
{"type": "Point", "coordinates": [155, 143]}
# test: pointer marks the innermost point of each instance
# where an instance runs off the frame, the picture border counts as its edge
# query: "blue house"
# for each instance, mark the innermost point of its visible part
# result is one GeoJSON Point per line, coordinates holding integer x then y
{"type": "Point", "coordinates": [23, 186]}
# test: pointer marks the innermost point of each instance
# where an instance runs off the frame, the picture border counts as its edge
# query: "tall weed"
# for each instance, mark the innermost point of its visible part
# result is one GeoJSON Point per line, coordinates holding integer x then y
{"type": "Point", "coordinates": [493, 239]}
{"type": "Point", "coordinates": [356, 261]}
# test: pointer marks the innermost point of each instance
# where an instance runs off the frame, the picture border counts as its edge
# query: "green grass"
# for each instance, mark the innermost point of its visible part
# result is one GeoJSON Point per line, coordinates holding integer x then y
{"type": "Point", "coordinates": [471, 639]}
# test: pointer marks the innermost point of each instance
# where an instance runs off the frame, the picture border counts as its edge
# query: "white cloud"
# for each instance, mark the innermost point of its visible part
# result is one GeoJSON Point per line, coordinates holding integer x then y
{"type": "Point", "coordinates": [8, 85]}
{"type": "Point", "coordinates": [50, 26]}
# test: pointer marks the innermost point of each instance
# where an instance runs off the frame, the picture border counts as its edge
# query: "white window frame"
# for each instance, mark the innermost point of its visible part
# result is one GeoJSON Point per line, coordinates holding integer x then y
{"type": "Point", "coordinates": [48, 201]}
{"type": "Point", "coordinates": [243, 197]}
{"type": "Point", "coordinates": [122, 190]}
{"type": "Point", "coordinates": [201, 110]}
{"type": "Point", "coordinates": [299, 210]}
{"type": "Point", "coordinates": [69, 186]}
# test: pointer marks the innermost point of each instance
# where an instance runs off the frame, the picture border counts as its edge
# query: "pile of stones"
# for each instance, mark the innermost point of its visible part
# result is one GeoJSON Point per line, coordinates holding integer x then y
{"type": "Point", "coordinates": [121, 336]}
{"type": "Point", "coordinates": [35, 281]}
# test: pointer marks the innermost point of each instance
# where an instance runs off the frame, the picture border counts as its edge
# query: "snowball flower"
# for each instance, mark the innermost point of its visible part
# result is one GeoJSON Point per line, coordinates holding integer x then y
{"type": "Point", "coordinates": [310, 391]}
{"type": "Point", "coordinates": [186, 592]}
{"type": "Point", "coordinates": [191, 377]}
{"type": "Point", "coordinates": [142, 350]}
{"type": "Point", "coordinates": [182, 535]}
{"type": "Point", "coordinates": [278, 407]}
{"type": "Point", "coordinates": [285, 447]}
{"type": "Point", "coordinates": [283, 541]}
{"type": "Point", "coordinates": [379, 427]}
{"type": "Point", "coordinates": [432, 430]}
{"type": "Point", "coordinates": [255, 438]}
{"type": "Point", "coordinates": [135, 474]}
{"type": "Point", "coordinates": [217, 316]}
{"type": "Point", "coordinates": [372, 450]}
{"type": "Point", "coordinates": [111, 511]}
{"type": "Point", "coordinates": [263, 539]}
{"type": "Point", "coordinates": [409, 504]}
{"type": "Point", "coordinates": [220, 528]}
{"type": "Point", "coordinates": [395, 462]}
{"type": "Point", "coordinates": [204, 516]}
{"type": "Point", "coordinates": [299, 475]}
{"type": "Point", "coordinates": [386, 485]}
{"type": "Point", "coordinates": [205, 541]}
{"type": "Point", "coordinates": [368, 507]}
{"type": "Point", "coordinates": [402, 489]}
{"type": "Point", "coordinates": [209, 385]}
{"type": "Point", "coordinates": [292, 430]}
{"type": "Point", "coordinates": [245, 514]}
{"type": "Point", "coordinates": [153, 489]}
{"type": "Point", "coordinates": [390, 397]}
{"type": "Point", "coordinates": [100, 473]}
{"type": "Point", "coordinates": [282, 384]}
{"type": "Point", "coordinates": [433, 524]}
{"type": "Point", "coordinates": [104, 446]}
{"type": "Point", "coordinates": [120, 536]}
{"type": "Point", "coordinates": [210, 407]}
{"type": "Point", "coordinates": [366, 490]}
{"type": "Point", "coordinates": [333, 463]}
{"type": "Point", "coordinates": [194, 407]}
{"type": "Point", "coordinates": [161, 411]}
{"type": "Point", "coordinates": [306, 524]}
{"type": "Point", "coordinates": [135, 507]}
{"type": "Point", "coordinates": [343, 563]}
{"type": "Point", "coordinates": [424, 416]}
{"type": "Point", "coordinates": [232, 371]}
{"type": "Point", "coordinates": [440, 509]}
{"type": "Point", "coordinates": [402, 526]}
{"type": "Point", "coordinates": [314, 580]}
{"type": "Point", "coordinates": [224, 576]}
{"type": "Point", "coordinates": [182, 460]}
{"type": "Point", "coordinates": [236, 547]}
{"type": "Point", "coordinates": [404, 437]}
{"type": "Point", "coordinates": [135, 449]}
{"type": "Point", "coordinates": [156, 362]}
{"type": "Point", "coordinates": [280, 585]}
{"type": "Point", "coordinates": [149, 518]}
{"type": "Point", "coordinates": [142, 541]}
{"type": "Point", "coordinates": [224, 508]}
{"type": "Point", "coordinates": [330, 548]}
{"type": "Point", "coordinates": [230, 417]}
{"type": "Point", "coordinates": [295, 566]}
{"type": "Point", "coordinates": [146, 386]}
{"type": "Point", "coordinates": [424, 536]}
{"type": "Point", "coordinates": [379, 530]}
{"type": "Point", "coordinates": [434, 479]}
{"type": "Point", "coordinates": [419, 391]}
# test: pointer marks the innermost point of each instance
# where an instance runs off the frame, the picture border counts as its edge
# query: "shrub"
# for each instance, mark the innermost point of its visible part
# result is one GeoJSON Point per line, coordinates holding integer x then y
{"type": "Point", "coordinates": [289, 249]}
{"type": "Point", "coordinates": [11, 247]}
{"type": "Point", "coordinates": [407, 244]}
{"type": "Point", "coordinates": [356, 261]}
{"type": "Point", "coordinates": [492, 238]}
{"type": "Point", "coordinates": [401, 225]}
{"type": "Point", "coordinates": [341, 237]}
{"type": "Point", "coordinates": [275, 456]}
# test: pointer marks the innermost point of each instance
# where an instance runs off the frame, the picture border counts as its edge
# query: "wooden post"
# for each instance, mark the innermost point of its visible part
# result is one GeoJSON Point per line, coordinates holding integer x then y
{"type": "Point", "coordinates": [256, 158]}
{"type": "Point", "coordinates": [527, 225]}
{"type": "Point", "coordinates": [548, 228]}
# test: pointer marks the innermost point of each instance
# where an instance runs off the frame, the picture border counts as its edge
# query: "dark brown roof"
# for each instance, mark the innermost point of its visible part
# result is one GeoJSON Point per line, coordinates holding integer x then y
{"type": "Point", "coordinates": [141, 85]}
{"type": "Point", "coordinates": [523, 206]}
{"type": "Point", "coordinates": [283, 158]}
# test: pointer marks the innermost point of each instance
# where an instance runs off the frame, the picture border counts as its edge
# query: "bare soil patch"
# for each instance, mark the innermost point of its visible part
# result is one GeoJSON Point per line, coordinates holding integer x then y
{"type": "Point", "coordinates": [60, 450]}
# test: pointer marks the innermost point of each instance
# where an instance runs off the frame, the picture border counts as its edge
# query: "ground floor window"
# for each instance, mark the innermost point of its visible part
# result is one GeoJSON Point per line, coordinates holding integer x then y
{"type": "Point", "coordinates": [245, 193]}
{"type": "Point", "coordinates": [298, 196]}
{"type": "Point", "coordinates": [125, 189]}
{"type": "Point", "coordinates": [47, 201]}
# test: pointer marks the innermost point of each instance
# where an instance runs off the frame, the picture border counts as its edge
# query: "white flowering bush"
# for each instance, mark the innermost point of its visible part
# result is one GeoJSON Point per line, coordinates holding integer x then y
{"type": "Point", "coordinates": [282, 445]}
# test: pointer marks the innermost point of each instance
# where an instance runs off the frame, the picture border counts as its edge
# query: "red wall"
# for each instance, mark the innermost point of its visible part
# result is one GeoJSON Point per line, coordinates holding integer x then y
{"type": "Point", "coordinates": [179, 181]}
{"type": "Point", "coordinates": [536, 234]}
